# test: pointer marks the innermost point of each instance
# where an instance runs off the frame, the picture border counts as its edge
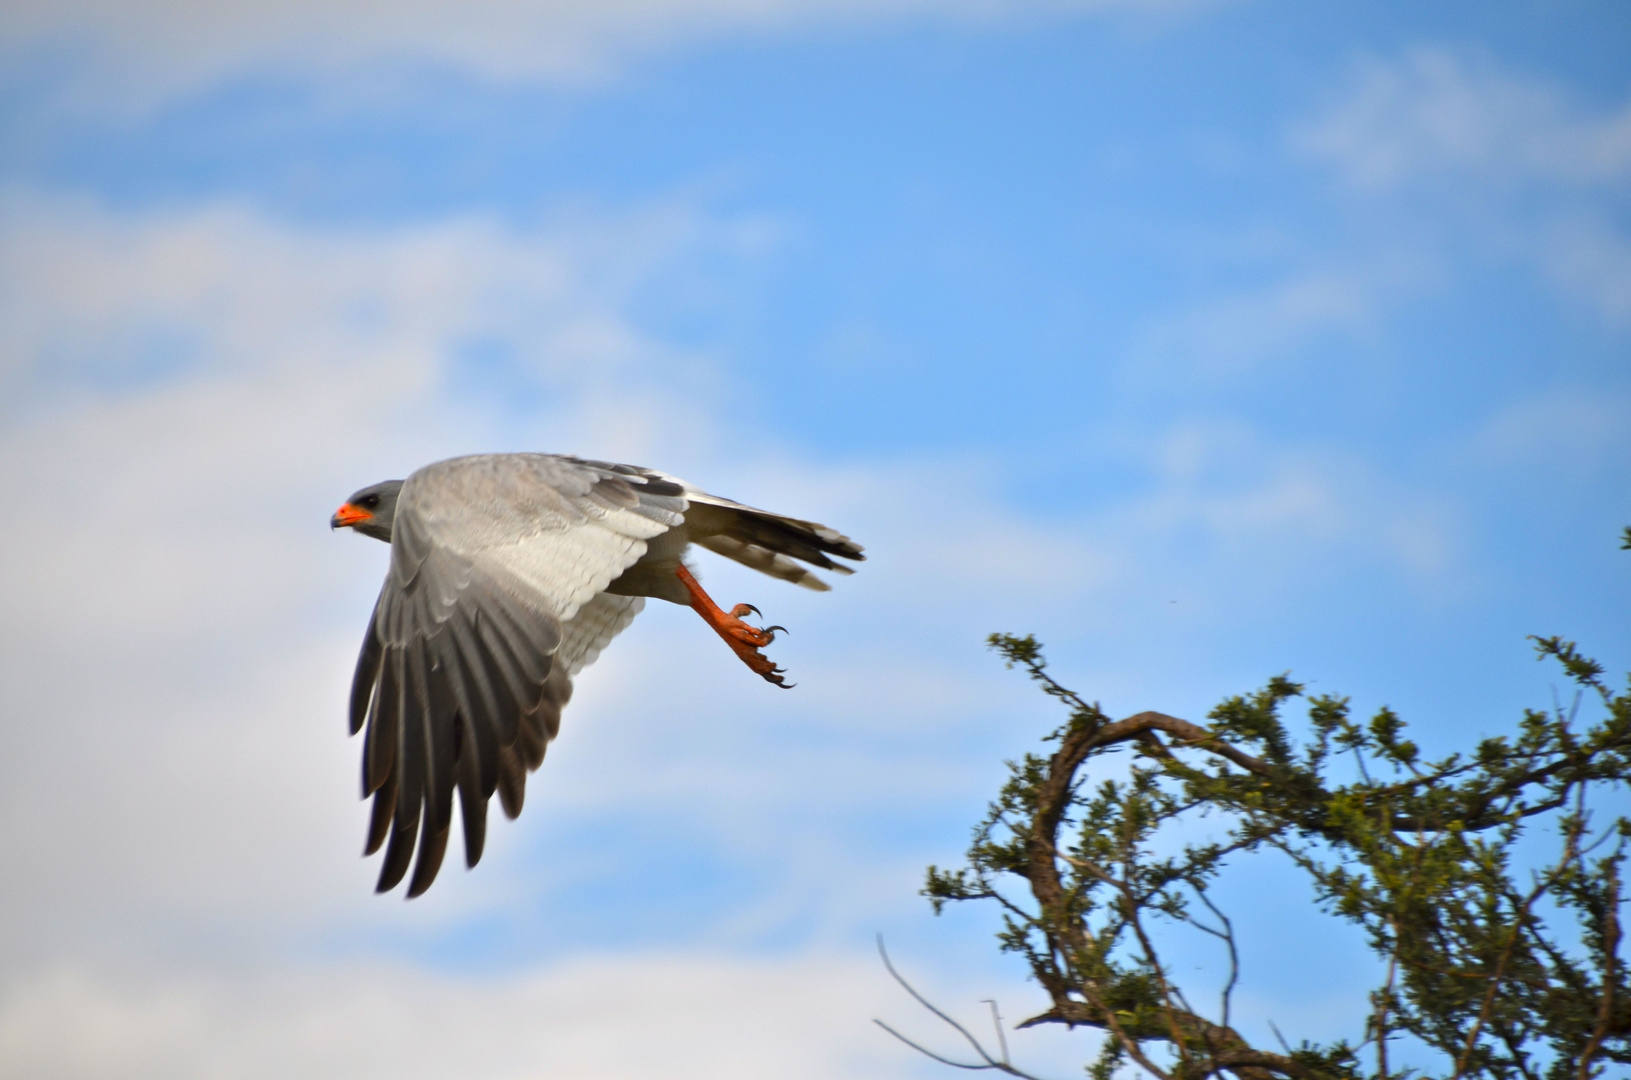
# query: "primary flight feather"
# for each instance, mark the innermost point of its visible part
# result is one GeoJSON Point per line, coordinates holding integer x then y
{"type": "Point", "coordinates": [509, 574]}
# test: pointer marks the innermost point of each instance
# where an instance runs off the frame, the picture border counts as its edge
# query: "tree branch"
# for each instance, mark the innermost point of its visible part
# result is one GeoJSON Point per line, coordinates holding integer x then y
{"type": "Point", "coordinates": [986, 1060]}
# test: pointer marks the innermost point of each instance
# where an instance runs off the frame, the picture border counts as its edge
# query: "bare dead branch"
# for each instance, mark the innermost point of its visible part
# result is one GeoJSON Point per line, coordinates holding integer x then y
{"type": "Point", "coordinates": [996, 1025]}
{"type": "Point", "coordinates": [986, 1060]}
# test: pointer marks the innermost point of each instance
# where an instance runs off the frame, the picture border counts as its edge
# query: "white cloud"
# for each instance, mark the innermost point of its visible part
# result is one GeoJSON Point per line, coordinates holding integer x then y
{"type": "Point", "coordinates": [1568, 432]}
{"type": "Point", "coordinates": [670, 1013]}
{"type": "Point", "coordinates": [145, 51]}
{"type": "Point", "coordinates": [1226, 493]}
{"type": "Point", "coordinates": [1435, 113]}
{"type": "Point", "coordinates": [675, 1015]}
{"type": "Point", "coordinates": [1443, 160]}
{"type": "Point", "coordinates": [1454, 148]}
{"type": "Point", "coordinates": [1589, 255]}
{"type": "Point", "coordinates": [1223, 338]}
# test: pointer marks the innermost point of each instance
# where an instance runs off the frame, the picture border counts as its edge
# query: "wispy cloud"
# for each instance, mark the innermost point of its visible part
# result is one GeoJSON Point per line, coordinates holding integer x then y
{"type": "Point", "coordinates": [1437, 156]}
{"type": "Point", "coordinates": [1567, 433]}
{"type": "Point", "coordinates": [1227, 493]}
{"type": "Point", "coordinates": [136, 54]}
{"type": "Point", "coordinates": [1589, 255]}
{"type": "Point", "coordinates": [1512, 161]}
{"type": "Point", "coordinates": [1435, 113]}
{"type": "Point", "coordinates": [606, 1018]}
{"type": "Point", "coordinates": [1237, 334]}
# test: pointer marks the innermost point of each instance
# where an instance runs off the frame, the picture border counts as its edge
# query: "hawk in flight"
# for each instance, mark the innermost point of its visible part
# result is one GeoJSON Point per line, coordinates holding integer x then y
{"type": "Point", "coordinates": [509, 574]}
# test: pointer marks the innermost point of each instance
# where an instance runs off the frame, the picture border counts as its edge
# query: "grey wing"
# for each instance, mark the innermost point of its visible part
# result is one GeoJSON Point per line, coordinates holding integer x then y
{"type": "Point", "coordinates": [582, 639]}
{"type": "Point", "coordinates": [493, 601]}
{"type": "Point", "coordinates": [564, 527]}
{"type": "Point", "coordinates": [452, 685]}
{"type": "Point", "coordinates": [593, 628]}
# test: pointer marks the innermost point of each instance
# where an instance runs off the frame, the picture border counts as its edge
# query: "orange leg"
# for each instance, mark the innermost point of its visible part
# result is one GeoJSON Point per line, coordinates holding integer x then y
{"type": "Point", "coordinates": [745, 641]}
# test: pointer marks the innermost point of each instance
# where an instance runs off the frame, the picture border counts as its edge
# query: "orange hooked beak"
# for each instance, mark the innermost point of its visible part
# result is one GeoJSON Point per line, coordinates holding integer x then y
{"type": "Point", "coordinates": [349, 515]}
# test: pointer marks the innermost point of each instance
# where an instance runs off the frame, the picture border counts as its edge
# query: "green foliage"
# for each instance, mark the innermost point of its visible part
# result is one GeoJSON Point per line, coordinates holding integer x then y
{"type": "Point", "coordinates": [1496, 966]}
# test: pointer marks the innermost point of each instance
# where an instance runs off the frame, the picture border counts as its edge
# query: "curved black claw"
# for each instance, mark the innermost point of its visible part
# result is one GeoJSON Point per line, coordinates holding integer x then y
{"type": "Point", "coordinates": [748, 607]}
{"type": "Point", "coordinates": [773, 629]}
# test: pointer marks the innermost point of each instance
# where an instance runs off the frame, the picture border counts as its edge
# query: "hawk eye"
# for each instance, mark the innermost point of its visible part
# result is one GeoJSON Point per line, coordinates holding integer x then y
{"type": "Point", "coordinates": [368, 502]}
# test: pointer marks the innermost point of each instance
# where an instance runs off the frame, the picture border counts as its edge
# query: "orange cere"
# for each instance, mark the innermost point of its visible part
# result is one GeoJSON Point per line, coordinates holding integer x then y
{"type": "Point", "coordinates": [351, 514]}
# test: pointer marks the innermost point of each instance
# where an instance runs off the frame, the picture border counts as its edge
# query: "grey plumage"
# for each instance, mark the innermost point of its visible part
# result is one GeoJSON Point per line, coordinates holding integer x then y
{"type": "Point", "coordinates": [508, 574]}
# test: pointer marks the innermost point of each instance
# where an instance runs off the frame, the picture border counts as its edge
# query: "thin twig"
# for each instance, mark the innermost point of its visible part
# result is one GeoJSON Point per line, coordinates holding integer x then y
{"type": "Point", "coordinates": [926, 1052]}
{"type": "Point", "coordinates": [1518, 1057]}
{"type": "Point", "coordinates": [1179, 1043]}
{"type": "Point", "coordinates": [989, 1062]}
{"type": "Point", "coordinates": [1228, 937]}
{"type": "Point", "coordinates": [996, 1022]}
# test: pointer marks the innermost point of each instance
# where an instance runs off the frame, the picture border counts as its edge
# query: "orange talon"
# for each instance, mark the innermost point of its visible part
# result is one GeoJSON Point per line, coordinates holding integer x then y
{"type": "Point", "coordinates": [745, 641]}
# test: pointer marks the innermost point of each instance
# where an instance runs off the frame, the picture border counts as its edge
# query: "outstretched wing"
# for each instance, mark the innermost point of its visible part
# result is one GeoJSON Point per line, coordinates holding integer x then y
{"type": "Point", "coordinates": [492, 602]}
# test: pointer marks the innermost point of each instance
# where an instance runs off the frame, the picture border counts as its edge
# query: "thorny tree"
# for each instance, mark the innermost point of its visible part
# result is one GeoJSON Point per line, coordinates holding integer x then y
{"type": "Point", "coordinates": [1496, 965]}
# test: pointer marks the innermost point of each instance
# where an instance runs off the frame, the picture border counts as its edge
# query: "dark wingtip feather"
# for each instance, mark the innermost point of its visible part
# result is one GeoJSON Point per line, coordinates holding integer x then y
{"type": "Point", "coordinates": [512, 782]}
{"type": "Point", "coordinates": [472, 800]}
{"type": "Point", "coordinates": [400, 851]}
{"type": "Point", "coordinates": [379, 745]}
{"type": "Point", "coordinates": [473, 814]}
{"type": "Point", "coordinates": [367, 673]}
{"type": "Point", "coordinates": [378, 753]}
{"type": "Point", "coordinates": [379, 822]}
{"type": "Point", "coordinates": [432, 847]}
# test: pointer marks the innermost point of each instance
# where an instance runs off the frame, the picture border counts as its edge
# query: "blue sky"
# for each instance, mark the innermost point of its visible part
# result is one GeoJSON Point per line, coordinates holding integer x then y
{"type": "Point", "coordinates": [1206, 340]}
